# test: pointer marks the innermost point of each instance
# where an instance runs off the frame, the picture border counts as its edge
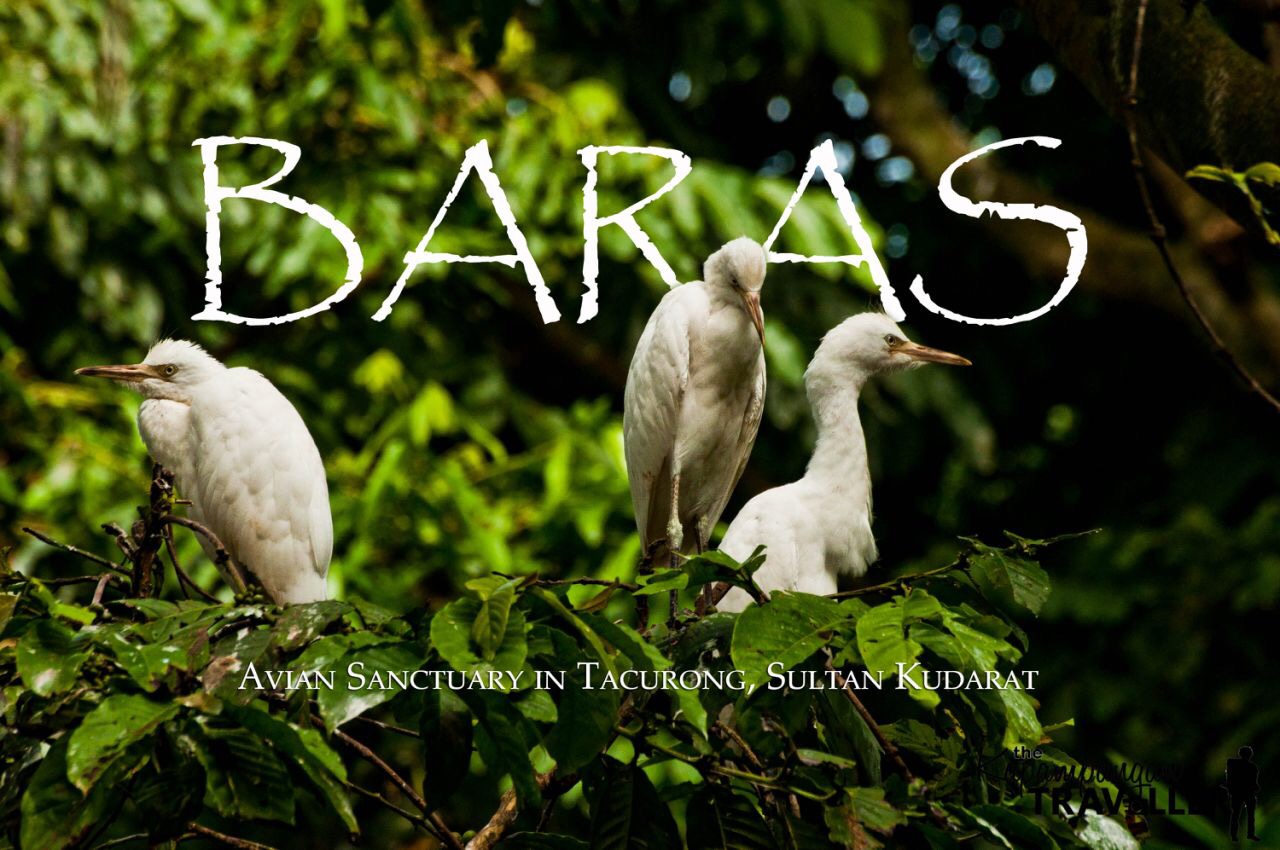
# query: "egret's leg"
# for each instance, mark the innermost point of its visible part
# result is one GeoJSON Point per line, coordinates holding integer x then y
{"type": "Point", "coordinates": [675, 540]}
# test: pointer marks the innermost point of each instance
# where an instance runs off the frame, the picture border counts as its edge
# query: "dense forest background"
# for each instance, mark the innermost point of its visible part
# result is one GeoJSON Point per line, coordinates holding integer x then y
{"type": "Point", "coordinates": [463, 435]}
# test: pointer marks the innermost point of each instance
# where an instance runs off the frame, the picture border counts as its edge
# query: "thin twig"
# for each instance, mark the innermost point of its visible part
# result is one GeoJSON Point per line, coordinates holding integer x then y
{"type": "Point", "coordinates": [74, 550]}
{"type": "Point", "coordinates": [221, 556]}
{"type": "Point", "coordinates": [390, 727]}
{"type": "Point", "coordinates": [229, 840]}
{"type": "Point", "coordinates": [400, 782]}
{"type": "Point", "coordinates": [1158, 234]}
{"type": "Point", "coordinates": [901, 582]}
{"type": "Point", "coordinates": [890, 750]}
{"type": "Point", "coordinates": [732, 734]}
{"type": "Point", "coordinates": [415, 819]}
{"type": "Point", "coordinates": [100, 589]}
{"type": "Point", "coordinates": [124, 839]}
{"type": "Point", "coordinates": [184, 581]}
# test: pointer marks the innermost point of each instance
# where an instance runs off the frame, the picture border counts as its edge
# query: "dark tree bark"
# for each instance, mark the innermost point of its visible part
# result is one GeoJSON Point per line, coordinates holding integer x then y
{"type": "Point", "coordinates": [1202, 99]}
{"type": "Point", "coordinates": [1122, 262]}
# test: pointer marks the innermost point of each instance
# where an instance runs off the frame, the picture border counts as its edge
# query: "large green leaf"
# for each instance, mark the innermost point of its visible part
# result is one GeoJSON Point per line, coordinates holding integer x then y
{"type": "Point", "coordinates": [116, 724]}
{"type": "Point", "coordinates": [365, 678]}
{"type": "Point", "coordinates": [446, 743]}
{"type": "Point", "coordinates": [244, 778]}
{"type": "Point", "coordinates": [56, 815]}
{"type": "Point", "coordinates": [862, 809]}
{"type": "Point", "coordinates": [300, 624]}
{"type": "Point", "coordinates": [49, 657]}
{"type": "Point", "coordinates": [489, 629]}
{"type": "Point", "coordinates": [786, 630]}
{"type": "Point", "coordinates": [645, 656]}
{"type": "Point", "coordinates": [586, 717]}
{"type": "Point", "coordinates": [1008, 578]}
{"type": "Point", "coordinates": [627, 813]}
{"type": "Point", "coordinates": [453, 634]}
{"type": "Point", "coordinates": [884, 643]}
{"type": "Point", "coordinates": [303, 747]}
{"type": "Point", "coordinates": [718, 819]}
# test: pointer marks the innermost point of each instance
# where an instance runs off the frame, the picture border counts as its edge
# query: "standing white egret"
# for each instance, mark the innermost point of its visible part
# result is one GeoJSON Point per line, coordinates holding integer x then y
{"type": "Point", "coordinates": [243, 456]}
{"type": "Point", "coordinates": [819, 527]}
{"type": "Point", "coordinates": [694, 397]}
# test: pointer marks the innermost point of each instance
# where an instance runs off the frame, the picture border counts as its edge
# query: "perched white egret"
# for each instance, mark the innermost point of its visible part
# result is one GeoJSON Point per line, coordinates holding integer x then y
{"type": "Point", "coordinates": [819, 527]}
{"type": "Point", "coordinates": [243, 456]}
{"type": "Point", "coordinates": [694, 396]}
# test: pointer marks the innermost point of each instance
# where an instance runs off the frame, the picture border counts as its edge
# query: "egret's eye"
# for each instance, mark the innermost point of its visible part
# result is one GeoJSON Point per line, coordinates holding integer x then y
{"type": "Point", "coordinates": [893, 341]}
{"type": "Point", "coordinates": [169, 371]}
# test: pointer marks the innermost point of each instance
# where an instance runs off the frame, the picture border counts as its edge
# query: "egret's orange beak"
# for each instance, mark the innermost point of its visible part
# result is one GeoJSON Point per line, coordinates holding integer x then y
{"type": "Point", "coordinates": [752, 300]}
{"type": "Point", "coordinates": [925, 354]}
{"type": "Point", "coordinates": [131, 374]}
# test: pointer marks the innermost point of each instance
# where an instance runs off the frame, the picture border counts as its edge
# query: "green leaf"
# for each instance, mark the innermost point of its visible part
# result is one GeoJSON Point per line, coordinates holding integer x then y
{"type": "Point", "coordinates": [862, 809]}
{"type": "Point", "coordinates": [56, 815]}
{"type": "Point", "coordinates": [718, 819]}
{"type": "Point", "coordinates": [48, 658]}
{"type": "Point", "coordinates": [1006, 578]}
{"type": "Point", "coordinates": [243, 777]}
{"type": "Point", "coordinates": [300, 624]}
{"type": "Point", "coordinates": [645, 656]}
{"type": "Point", "coordinates": [586, 717]}
{"type": "Point", "coordinates": [446, 742]}
{"type": "Point", "coordinates": [842, 729]}
{"type": "Point", "coordinates": [373, 667]}
{"type": "Point", "coordinates": [502, 724]}
{"type": "Point", "coordinates": [453, 630]}
{"type": "Point", "coordinates": [626, 811]}
{"type": "Point", "coordinates": [787, 629]}
{"type": "Point", "coordinates": [490, 626]}
{"type": "Point", "coordinates": [116, 724]}
{"type": "Point", "coordinates": [883, 638]}
{"type": "Point", "coordinates": [303, 747]}
{"type": "Point", "coordinates": [1266, 173]}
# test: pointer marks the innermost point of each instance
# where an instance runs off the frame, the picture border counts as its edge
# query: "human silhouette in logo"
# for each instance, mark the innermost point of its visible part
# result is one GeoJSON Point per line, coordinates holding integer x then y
{"type": "Point", "coordinates": [1242, 791]}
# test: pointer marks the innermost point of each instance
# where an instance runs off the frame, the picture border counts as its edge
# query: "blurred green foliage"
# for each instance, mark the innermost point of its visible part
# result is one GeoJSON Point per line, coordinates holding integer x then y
{"type": "Point", "coordinates": [462, 435]}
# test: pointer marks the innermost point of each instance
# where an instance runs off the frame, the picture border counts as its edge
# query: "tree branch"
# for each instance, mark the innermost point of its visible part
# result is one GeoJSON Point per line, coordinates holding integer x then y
{"type": "Point", "coordinates": [1158, 233]}
{"type": "Point", "coordinates": [1211, 102]}
{"type": "Point", "coordinates": [443, 832]}
{"type": "Point", "coordinates": [508, 810]}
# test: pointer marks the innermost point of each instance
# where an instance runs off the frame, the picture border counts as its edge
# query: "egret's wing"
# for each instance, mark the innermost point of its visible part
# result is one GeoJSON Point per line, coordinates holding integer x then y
{"type": "Point", "coordinates": [260, 484]}
{"type": "Point", "coordinates": [751, 417]}
{"type": "Point", "coordinates": [656, 385]}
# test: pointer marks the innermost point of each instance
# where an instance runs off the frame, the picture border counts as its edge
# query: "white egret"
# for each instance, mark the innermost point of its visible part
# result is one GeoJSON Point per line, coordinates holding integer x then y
{"type": "Point", "coordinates": [242, 455]}
{"type": "Point", "coordinates": [693, 401]}
{"type": "Point", "coordinates": [819, 527]}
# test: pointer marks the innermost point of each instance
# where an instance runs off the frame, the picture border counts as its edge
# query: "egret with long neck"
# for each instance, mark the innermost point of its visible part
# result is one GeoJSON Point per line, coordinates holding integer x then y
{"type": "Point", "coordinates": [242, 455]}
{"type": "Point", "coordinates": [693, 401]}
{"type": "Point", "coordinates": [819, 528]}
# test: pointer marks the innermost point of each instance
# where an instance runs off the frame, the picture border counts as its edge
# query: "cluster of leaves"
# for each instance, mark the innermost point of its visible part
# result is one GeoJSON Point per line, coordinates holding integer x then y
{"type": "Point", "coordinates": [1257, 185]}
{"type": "Point", "coordinates": [145, 715]}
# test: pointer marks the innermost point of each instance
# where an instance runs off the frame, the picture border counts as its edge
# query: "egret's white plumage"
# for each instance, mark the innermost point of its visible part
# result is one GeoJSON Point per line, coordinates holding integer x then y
{"type": "Point", "coordinates": [693, 401]}
{"type": "Point", "coordinates": [819, 527]}
{"type": "Point", "coordinates": [243, 456]}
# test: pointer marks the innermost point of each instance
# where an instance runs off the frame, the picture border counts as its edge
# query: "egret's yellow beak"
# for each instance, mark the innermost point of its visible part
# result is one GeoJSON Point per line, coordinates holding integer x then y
{"type": "Point", "coordinates": [131, 374]}
{"type": "Point", "coordinates": [925, 354]}
{"type": "Point", "coordinates": [752, 300]}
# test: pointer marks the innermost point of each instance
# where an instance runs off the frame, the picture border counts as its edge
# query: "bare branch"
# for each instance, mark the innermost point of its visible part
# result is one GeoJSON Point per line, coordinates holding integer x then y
{"type": "Point", "coordinates": [445, 834]}
{"type": "Point", "coordinates": [74, 550]}
{"type": "Point", "coordinates": [221, 557]}
{"type": "Point", "coordinates": [229, 840]}
{"type": "Point", "coordinates": [1159, 234]}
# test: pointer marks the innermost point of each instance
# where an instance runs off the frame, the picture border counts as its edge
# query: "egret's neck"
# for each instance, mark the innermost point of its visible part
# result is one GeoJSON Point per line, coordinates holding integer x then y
{"type": "Point", "coordinates": [839, 459]}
